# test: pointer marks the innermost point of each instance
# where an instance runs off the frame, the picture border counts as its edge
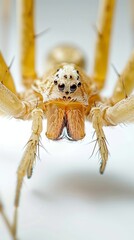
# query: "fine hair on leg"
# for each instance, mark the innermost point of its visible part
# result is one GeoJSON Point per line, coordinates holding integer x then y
{"type": "Point", "coordinates": [28, 160]}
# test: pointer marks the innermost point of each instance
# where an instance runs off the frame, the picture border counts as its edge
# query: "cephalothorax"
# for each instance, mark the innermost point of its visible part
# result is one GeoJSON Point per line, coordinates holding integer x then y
{"type": "Point", "coordinates": [64, 83]}
{"type": "Point", "coordinates": [65, 95]}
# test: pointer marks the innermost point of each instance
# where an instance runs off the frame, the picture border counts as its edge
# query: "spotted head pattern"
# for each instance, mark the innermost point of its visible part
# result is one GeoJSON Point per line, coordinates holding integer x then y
{"type": "Point", "coordinates": [67, 80]}
{"type": "Point", "coordinates": [65, 83]}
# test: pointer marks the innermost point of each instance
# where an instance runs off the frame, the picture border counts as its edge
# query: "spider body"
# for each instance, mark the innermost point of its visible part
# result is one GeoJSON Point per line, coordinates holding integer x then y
{"type": "Point", "coordinates": [60, 90]}
{"type": "Point", "coordinates": [65, 95]}
{"type": "Point", "coordinates": [65, 84]}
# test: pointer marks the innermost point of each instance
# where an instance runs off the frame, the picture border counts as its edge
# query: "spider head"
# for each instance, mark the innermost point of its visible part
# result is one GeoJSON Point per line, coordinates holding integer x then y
{"type": "Point", "coordinates": [67, 81]}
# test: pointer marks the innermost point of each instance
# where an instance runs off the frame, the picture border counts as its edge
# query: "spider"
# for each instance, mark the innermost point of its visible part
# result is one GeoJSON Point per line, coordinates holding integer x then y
{"type": "Point", "coordinates": [65, 94]}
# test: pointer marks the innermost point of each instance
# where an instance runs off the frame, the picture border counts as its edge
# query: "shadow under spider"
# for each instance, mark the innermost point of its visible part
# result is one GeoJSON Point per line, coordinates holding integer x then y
{"type": "Point", "coordinates": [86, 186]}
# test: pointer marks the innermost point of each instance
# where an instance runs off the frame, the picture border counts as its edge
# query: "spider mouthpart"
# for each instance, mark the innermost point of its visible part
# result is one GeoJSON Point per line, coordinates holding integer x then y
{"type": "Point", "coordinates": [61, 87]}
{"type": "Point", "coordinates": [55, 82]}
{"type": "Point", "coordinates": [73, 88]}
{"type": "Point", "coordinates": [69, 97]}
{"type": "Point", "coordinates": [79, 84]}
{"type": "Point", "coordinates": [64, 97]}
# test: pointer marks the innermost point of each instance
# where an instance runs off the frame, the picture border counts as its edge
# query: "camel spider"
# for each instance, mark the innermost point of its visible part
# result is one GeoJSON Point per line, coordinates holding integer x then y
{"type": "Point", "coordinates": [65, 95]}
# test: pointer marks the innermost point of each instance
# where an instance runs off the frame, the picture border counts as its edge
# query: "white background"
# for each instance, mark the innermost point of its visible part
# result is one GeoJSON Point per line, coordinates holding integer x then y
{"type": "Point", "coordinates": [67, 198]}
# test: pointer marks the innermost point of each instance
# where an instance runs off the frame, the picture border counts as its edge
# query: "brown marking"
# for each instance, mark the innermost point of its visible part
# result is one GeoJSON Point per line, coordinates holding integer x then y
{"type": "Point", "coordinates": [55, 120]}
{"type": "Point", "coordinates": [63, 113]}
{"type": "Point", "coordinates": [75, 117]}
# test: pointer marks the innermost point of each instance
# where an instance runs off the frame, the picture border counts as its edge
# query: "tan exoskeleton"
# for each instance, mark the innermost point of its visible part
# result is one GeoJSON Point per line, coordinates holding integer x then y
{"type": "Point", "coordinates": [65, 95]}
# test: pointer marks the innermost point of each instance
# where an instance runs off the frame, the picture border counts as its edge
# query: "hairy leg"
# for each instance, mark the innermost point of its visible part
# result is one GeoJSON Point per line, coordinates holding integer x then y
{"type": "Point", "coordinates": [5, 75]}
{"type": "Point", "coordinates": [28, 160]}
{"type": "Point", "coordinates": [97, 120]}
{"type": "Point", "coordinates": [125, 83]}
{"type": "Point", "coordinates": [10, 103]}
{"type": "Point", "coordinates": [121, 112]}
{"type": "Point", "coordinates": [5, 218]}
{"type": "Point", "coordinates": [27, 41]}
{"type": "Point", "coordinates": [103, 41]}
{"type": "Point", "coordinates": [104, 115]}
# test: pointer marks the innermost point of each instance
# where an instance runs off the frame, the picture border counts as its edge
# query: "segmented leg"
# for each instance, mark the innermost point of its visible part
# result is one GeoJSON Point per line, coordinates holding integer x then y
{"type": "Point", "coordinates": [28, 160]}
{"type": "Point", "coordinates": [97, 120]}
{"type": "Point", "coordinates": [5, 75]}
{"type": "Point", "coordinates": [27, 41]}
{"type": "Point", "coordinates": [121, 112]}
{"type": "Point", "coordinates": [103, 41]}
{"type": "Point", "coordinates": [125, 83]}
{"type": "Point", "coordinates": [8, 224]}
{"type": "Point", "coordinates": [10, 103]}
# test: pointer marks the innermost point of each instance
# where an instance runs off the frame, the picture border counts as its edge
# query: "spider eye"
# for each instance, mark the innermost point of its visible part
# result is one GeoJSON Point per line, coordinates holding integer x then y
{"type": "Point", "coordinates": [55, 82]}
{"type": "Point", "coordinates": [61, 87]}
{"type": "Point", "coordinates": [73, 88]}
{"type": "Point", "coordinates": [79, 84]}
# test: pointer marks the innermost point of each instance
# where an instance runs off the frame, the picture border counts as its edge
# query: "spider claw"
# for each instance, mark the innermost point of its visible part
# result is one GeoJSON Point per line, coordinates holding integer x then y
{"type": "Point", "coordinates": [102, 168]}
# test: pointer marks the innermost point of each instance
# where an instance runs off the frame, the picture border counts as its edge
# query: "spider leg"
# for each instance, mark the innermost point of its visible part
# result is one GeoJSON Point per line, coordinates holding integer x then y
{"type": "Point", "coordinates": [125, 83]}
{"type": "Point", "coordinates": [121, 112]}
{"type": "Point", "coordinates": [27, 41]}
{"type": "Point", "coordinates": [11, 104]}
{"type": "Point", "coordinates": [97, 120]}
{"type": "Point", "coordinates": [5, 218]}
{"type": "Point", "coordinates": [103, 41]}
{"type": "Point", "coordinates": [103, 115]}
{"type": "Point", "coordinates": [28, 160]}
{"type": "Point", "coordinates": [5, 75]}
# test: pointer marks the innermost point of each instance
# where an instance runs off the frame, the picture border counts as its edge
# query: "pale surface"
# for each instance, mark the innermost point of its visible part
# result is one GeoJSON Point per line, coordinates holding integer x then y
{"type": "Point", "coordinates": [67, 199]}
